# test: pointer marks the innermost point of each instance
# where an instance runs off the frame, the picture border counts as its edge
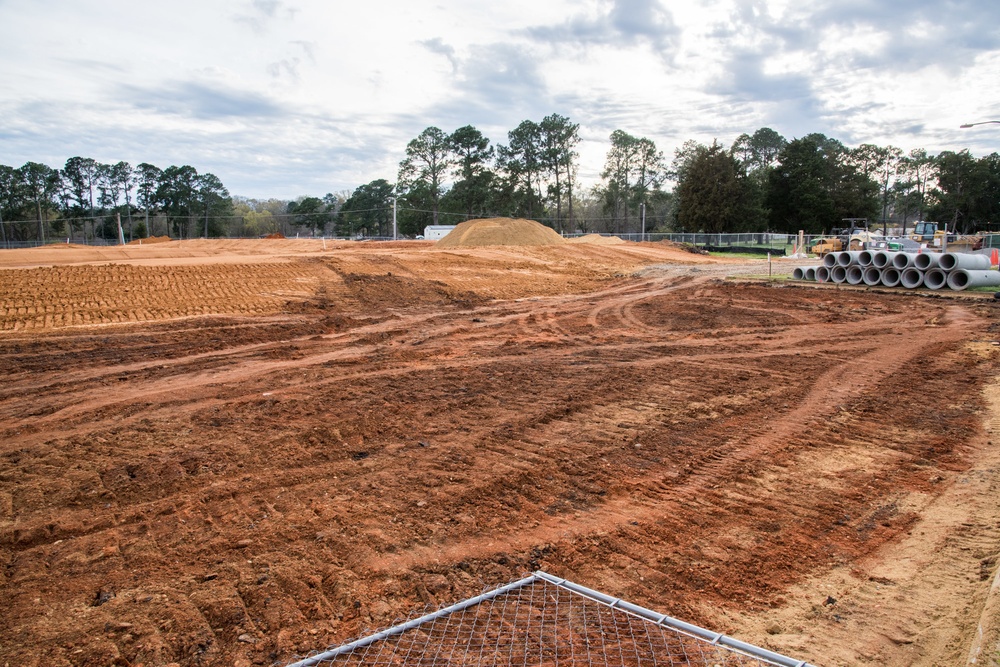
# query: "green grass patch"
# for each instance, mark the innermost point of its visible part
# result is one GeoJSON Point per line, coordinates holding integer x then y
{"type": "Point", "coordinates": [740, 255]}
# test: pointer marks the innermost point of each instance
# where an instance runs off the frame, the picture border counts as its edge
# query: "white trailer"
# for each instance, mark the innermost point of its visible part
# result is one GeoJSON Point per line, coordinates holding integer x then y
{"type": "Point", "coordinates": [435, 232]}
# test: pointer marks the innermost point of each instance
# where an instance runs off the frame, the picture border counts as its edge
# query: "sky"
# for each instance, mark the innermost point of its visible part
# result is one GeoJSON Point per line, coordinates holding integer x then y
{"type": "Point", "coordinates": [291, 98]}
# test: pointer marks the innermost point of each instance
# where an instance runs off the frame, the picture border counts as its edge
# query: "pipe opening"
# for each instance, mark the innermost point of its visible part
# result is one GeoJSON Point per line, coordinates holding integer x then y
{"type": "Point", "coordinates": [935, 279]}
{"type": "Point", "coordinates": [890, 277]}
{"type": "Point", "coordinates": [873, 276]}
{"type": "Point", "coordinates": [911, 278]}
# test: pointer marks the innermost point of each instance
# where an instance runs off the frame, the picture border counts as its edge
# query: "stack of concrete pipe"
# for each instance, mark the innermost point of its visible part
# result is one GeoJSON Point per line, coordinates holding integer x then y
{"type": "Point", "coordinates": [957, 271]}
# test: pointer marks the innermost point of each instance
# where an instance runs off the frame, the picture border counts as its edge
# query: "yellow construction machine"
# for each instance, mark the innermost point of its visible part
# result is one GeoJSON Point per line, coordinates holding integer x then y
{"type": "Point", "coordinates": [825, 245]}
{"type": "Point", "coordinates": [930, 233]}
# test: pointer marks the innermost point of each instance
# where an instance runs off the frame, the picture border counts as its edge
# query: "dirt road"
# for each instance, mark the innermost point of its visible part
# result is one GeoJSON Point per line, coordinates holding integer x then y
{"type": "Point", "coordinates": [232, 458]}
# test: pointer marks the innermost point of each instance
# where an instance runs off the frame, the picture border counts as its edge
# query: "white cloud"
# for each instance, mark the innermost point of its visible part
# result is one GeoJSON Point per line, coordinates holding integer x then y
{"type": "Point", "coordinates": [283, 98]}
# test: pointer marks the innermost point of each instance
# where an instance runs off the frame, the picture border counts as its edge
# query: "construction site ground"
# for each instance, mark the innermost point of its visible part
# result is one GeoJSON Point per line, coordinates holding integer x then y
{"type": "Point", "coordinates": [236, 452]}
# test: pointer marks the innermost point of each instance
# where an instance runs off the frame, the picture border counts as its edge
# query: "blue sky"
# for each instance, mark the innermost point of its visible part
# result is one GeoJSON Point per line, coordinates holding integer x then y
{"type": "Point", "coordinates": [286, 98]}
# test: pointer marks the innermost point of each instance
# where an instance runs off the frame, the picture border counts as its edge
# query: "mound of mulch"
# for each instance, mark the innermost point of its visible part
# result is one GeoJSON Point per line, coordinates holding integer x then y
{"type": "Point", "coordinates": [500, 232]}
{"type": "Point", "coordinates": [275, 235]}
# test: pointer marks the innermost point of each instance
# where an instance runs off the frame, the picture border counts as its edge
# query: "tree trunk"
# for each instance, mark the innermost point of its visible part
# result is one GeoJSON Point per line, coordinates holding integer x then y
{"type": "Point", "coordinates": [558, 201]}
{"type": "Point", "coordinates": [921, 189]}
{"type": "Point", "coordinates": [569, 192]}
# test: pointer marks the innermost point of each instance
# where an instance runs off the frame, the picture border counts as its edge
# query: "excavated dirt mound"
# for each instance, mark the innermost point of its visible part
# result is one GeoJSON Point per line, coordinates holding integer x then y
{"type": "Point", "coordinates": [500, 232]}
{"type": "Point", "coordinates": [597, 239]}
{"type": "Point", "coordinates": [684, 247]}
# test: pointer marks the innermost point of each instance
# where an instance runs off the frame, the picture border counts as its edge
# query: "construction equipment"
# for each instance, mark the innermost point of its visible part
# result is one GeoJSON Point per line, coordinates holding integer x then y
{"type": "Point", "coordinates": [825, 245]}
{"type": "Point", "coordinates": [930, 233]}
{"type": "Point", "coordinates": [927, 232]}
{"type": "Point", "coordinates": [862, 238]}
{"type": "Point", "coordinates": [856, 235]}
{"type": "Point", "coordinates": [849, 238]}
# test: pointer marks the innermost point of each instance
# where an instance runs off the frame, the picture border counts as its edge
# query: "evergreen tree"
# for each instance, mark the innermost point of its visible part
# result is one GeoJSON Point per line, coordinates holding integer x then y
{"type": "Point", "coordinates": [423, 170]}
{"type": "Point", "coordinates": [368, 211]}
{"type": "Point", "coordinates": [715, 195]}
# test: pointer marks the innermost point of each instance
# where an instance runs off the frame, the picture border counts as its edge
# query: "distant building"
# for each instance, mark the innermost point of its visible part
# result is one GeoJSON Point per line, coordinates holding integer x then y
{"type": "Point", "coordinates": [435, 232]}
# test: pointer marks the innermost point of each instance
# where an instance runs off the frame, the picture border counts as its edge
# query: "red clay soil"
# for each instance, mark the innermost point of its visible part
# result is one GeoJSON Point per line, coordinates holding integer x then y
{"type": "Point", "coordinates": [236, 487]}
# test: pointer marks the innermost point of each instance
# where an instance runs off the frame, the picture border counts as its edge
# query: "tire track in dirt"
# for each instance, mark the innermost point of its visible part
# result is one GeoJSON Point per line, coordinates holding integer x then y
{"type": "Point", "coordinates": [237, 365]}
{"type": "Point", "coordinates": [844, 382]}
{"type": "Point", "coordinates": [920, 601]}
{"type": "Point", "coordinates": [433, 326]}
{"type": "Point", "coordinates": [617, 299]}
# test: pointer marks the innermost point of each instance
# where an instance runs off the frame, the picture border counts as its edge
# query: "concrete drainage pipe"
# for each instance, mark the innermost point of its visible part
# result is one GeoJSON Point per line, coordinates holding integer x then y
{"type": "Point", "coordinates": [955, 260]}
{"type": "Point", "coordinates": [830, 259]}
{"type": "Point", "coordinates": [838, 274]}
{"type": "Point", "coordinates": [882, 259]}
{"type": "Point", "coordinates": [911, 278]}
{"type": "Point", "coordinates": [822, 274]}
{"type": "Point", "coordinates": [865, 258]}
{"type": "Point", "coordinates": [961, 279]}
{"type": "Point", "coordinates": [855, 274]}
{"type": "Point", "coordinates": [873, 276]}
{"type": "Point", "coordinates": [848, 258]}
{"type": "Point", "coordinates": [926, 260]}
{"type": "Point", "coordinates": [935, 278]}
{"type": "Point", "coordinates": [903, 260]}
{"type": "Point", "coordinates": [890, 276]}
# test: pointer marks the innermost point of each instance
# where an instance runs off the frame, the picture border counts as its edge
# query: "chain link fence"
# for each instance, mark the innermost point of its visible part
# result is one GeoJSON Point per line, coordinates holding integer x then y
{"type": "Point", "coordinates": [545, 621]}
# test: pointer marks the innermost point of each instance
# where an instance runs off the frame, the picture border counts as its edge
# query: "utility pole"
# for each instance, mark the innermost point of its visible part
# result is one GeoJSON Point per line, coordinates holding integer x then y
{"type": "Point", "coordinates": [121, 234]}
{"type": "Point", "coordinates": [643, 208]}
{"type": "Point", "coordinates": [394, 235]}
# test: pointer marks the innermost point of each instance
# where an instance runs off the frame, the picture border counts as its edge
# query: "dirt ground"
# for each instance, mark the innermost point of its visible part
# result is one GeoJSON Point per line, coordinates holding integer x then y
{"type": "Point", "coordinates": [233, 453]}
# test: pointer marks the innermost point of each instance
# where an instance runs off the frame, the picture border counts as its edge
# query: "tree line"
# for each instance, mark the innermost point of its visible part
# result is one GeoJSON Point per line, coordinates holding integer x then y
{"type": "Point", "coordinates": [762, 182]}
{"type": "Point", "coordinates": [814, 183]}
{"type": "Point", "coordinates": [86, 199]}
{"type": "Point", "coordinates": [445, 178]}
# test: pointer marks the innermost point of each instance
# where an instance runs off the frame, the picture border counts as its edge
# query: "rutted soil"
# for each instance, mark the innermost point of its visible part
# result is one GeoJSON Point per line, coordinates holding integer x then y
{"type": "Point", "coordinates": [286, 452]}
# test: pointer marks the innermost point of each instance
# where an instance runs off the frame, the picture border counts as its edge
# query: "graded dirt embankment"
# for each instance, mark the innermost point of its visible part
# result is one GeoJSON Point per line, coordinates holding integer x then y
{"type": "Point", "coordinates": [287, 444]}
{"type": "Point", "coordinates": [62, 286]}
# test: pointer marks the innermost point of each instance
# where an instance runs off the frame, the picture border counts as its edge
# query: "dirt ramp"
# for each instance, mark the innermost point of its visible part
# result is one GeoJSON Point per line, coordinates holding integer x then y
{"type": "Point", "coordinates": [500, 231]}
